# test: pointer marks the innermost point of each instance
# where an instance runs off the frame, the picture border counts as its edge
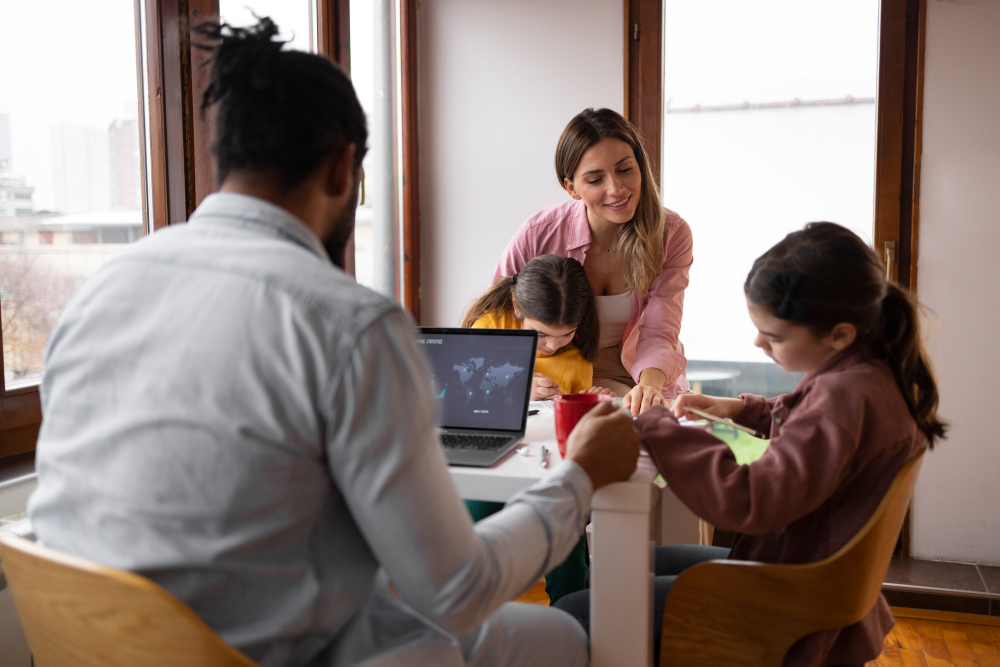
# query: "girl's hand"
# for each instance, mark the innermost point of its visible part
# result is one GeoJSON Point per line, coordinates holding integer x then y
{"type": "Point", "coordinates": [727, 408]}
{"type": "Point", "coordinates": [641, 397]}
{"type": "Point", "coordinates": [543, 388]}
{"type": "Point", "coordinates": [598, 390]}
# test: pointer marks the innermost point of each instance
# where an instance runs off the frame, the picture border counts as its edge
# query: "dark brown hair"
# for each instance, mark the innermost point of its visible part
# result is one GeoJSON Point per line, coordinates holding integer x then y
{"type": "Point", "coordinates": [824, 275]}
{"type": "Point", "coordinates": [640, 241]}
{"type": "Point", "coordinates": [551, 289]}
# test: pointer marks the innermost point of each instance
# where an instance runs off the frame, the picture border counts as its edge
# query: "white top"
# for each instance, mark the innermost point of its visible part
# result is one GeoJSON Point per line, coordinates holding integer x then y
{"type": "Point", "coordinates": [615, 312]}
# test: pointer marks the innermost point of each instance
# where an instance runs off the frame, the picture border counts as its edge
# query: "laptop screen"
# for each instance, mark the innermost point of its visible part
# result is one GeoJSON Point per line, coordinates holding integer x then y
{"type": "Point", "coordinates": [481, 377]}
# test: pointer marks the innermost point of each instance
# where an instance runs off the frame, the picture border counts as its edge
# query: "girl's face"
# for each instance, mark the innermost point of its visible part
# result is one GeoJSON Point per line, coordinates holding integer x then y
{"type": "Point", "coordinates": [550, 339]}
{"type": "Point", "coordinates": [795, 347]}
{"type": "Point", "coordinates": [608, 181]}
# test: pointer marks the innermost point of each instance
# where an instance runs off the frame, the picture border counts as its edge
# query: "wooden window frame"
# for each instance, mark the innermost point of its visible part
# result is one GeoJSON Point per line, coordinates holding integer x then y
{"type": "Point", "coordinates": [898, 110]}
{"type": "Point", "coordinates": [902, 25]}
{"type": "Point", "coordinates": [335, 41]}
{"type": "Point", "coordinates": [177, 171]}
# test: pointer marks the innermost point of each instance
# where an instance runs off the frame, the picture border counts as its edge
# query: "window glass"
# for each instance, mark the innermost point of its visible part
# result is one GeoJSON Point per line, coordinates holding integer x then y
{"type": "Point", "coordinates": [363, 77]}
{"type": "Point", "coordinates": [769, 123]}
{"type": "Point", "coordinates": [374, 70]}
{"type": "Point", "coordinates": [372, 56]}
{"type": "Point", "coordinates": [70, 173]}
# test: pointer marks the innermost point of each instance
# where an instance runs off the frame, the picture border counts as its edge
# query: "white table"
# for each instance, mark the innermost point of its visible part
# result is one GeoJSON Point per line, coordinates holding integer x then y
{"type": "Point", "coordinates": [621, 593]}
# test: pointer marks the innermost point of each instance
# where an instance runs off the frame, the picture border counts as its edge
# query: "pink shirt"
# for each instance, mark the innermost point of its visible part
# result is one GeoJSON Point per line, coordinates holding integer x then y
{"type": "Point", "coordinates": [651, 336]}
{"type": "Point", "coordinates": [836, 444]}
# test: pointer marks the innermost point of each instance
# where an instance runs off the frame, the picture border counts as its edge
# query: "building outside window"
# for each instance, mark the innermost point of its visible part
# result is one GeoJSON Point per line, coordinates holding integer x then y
{"type": "Point", "coordinates": [69, 147]}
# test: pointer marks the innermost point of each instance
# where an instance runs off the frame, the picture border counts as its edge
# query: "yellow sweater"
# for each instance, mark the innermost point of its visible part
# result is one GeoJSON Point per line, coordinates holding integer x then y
{"type": "Point", "coordinates": [567, 367]}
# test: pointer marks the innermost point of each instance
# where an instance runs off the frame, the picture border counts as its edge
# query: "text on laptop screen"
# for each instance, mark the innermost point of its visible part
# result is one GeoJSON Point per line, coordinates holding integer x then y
{"type": "Point", "coordinates": [481, 380]}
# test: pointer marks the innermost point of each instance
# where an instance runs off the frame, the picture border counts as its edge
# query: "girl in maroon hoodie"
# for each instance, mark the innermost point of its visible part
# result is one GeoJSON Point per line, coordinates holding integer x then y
{"type": "Point", "coordinates": [822, 306]}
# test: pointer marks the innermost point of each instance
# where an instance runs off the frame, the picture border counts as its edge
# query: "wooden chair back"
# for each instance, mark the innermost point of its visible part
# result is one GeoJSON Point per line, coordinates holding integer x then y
{"type": "Point", "coordinates": [81, 614]}
{"type": "Point", "coordinates": [739, 613]}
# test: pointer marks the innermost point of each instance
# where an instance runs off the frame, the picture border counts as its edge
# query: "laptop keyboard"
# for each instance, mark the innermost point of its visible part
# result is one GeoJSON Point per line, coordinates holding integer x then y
{"type": "Point", "coordinates": [485, 443]}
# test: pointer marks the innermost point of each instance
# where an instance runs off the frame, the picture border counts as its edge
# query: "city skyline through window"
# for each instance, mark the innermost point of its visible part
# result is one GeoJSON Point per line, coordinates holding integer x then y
{"type": "Point", "coordinates": [70, 174]}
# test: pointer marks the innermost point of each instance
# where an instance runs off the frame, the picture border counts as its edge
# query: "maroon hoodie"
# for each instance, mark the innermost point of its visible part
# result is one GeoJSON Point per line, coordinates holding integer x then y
{"type": "Point", "coordinates": [836, 444]}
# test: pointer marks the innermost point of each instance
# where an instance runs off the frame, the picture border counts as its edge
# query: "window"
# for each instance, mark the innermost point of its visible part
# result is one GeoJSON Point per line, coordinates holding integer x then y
{"type": "Point", "coordinates": [826, 57]}
{"type": "Point", "coordinates": [790, 112]}
{"type": "Point", "coordinates": [86, 169]}
{"type": "Point", "coordinates": [377, 67]}
{"type": "Point", "coordinates": [69, 162]}
{"type": "Point", "coordinates": [772, 126]}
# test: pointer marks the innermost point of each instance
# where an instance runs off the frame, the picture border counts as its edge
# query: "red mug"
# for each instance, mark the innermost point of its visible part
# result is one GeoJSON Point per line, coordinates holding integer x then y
{"type": "Point", "coordinates": [569, 409]}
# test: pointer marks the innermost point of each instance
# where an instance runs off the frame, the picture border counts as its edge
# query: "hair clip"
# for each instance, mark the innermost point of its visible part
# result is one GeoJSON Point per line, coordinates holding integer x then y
{"type": "Point", "coordinates": [513, 279]}
{"type": "Point", "coordinates": [786, 283]}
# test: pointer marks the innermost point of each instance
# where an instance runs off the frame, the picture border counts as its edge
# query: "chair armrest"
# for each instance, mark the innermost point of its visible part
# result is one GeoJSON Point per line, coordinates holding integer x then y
{"type": "Point", "coordinates": [20, 528]}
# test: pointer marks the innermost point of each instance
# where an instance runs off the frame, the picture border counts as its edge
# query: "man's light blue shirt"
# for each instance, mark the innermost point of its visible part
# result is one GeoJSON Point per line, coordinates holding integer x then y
{"type": "Point", "coordinates": [229, 414]}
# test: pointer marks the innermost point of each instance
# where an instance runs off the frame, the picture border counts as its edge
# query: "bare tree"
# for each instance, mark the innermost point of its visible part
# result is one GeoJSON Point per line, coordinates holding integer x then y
{"type": "Point", "coordinates": [32, 295]}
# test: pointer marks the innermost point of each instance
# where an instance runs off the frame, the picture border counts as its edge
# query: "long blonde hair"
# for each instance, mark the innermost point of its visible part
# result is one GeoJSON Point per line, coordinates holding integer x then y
{"type": "Point", "coordinates": [640, 241]}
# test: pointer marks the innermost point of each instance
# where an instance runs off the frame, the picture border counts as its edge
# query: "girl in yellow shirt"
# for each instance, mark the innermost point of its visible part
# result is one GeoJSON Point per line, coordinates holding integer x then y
{"type": "Point", "coordinates": [551, 295]}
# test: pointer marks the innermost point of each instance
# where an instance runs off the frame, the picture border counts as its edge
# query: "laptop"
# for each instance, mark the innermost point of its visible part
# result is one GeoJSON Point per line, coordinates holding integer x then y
{"type": "Point", "coordinates": [482, 381]}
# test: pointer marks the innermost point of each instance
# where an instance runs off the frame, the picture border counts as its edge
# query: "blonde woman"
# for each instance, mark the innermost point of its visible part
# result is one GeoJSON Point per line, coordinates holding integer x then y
{"type": "Point", "coordinates": [636, 253]}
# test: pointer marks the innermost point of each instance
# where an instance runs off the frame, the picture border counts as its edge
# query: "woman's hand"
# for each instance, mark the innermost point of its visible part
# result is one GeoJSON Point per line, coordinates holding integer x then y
{"type": "Point", "coordinates": [598, 390]}
{"type": "Point", "coordinates": [642, 397]}
{"type": "Point", "coordinates": [543, 388]}
{"type": "Point", "coordinates": [647, 393]}
{"type": "Point", "coordinates": [727, 408]}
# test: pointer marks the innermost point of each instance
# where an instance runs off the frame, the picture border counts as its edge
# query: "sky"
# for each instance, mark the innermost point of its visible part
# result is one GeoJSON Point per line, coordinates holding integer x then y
{"type": "Point", "coordinates": [79, 69]}
{"type": "Point", "coordinates": [731, 51]}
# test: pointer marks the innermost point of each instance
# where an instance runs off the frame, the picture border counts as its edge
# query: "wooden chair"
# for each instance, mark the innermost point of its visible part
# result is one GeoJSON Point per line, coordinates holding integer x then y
{"type": "Point", "coordinates": [738, 613]}
{"type": "Point", "coordinates": [78, 613]}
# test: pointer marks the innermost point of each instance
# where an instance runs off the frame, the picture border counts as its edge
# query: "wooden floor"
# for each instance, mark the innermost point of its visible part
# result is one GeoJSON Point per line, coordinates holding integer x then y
{"type": "Point", "coordinates": [920, 638]}
{"type": "Point", "coordinates": [936, 639]}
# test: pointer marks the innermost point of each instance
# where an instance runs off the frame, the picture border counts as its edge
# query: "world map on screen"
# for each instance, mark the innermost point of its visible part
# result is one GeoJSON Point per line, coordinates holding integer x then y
{"type": "Point", "coordinates": [487, 383]}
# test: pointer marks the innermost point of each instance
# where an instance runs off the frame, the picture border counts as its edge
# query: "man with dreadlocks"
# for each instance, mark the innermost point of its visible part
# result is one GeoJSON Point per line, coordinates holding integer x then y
{"type": "Point", "coordinates": [230, 415]}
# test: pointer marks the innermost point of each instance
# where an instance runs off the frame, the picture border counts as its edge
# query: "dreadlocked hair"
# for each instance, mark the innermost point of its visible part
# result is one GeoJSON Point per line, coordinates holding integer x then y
{"type": "Point", "coordinates": [276, 111]}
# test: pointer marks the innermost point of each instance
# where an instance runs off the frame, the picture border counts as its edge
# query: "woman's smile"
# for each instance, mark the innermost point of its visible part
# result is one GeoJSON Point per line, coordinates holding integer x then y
{"type": "Point", "coordinates": [608, 181]}
{"type": "Point", "coordinates": [620, 205]}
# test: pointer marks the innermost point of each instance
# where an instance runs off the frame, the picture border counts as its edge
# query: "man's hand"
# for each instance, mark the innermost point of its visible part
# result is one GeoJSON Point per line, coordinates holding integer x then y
{"type": "Point", "coordinates": [543, 388]}
{"type": "Point", "coordinates": [605, 444]}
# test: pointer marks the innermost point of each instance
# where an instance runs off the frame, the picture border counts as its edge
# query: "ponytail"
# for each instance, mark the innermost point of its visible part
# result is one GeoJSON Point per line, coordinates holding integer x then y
{"type": "Point", "coordinates": [551, 289]}
{"type": "Point", "coordinates": [588, 330]}
{"type": "Point", "coordinates": [897, 342]}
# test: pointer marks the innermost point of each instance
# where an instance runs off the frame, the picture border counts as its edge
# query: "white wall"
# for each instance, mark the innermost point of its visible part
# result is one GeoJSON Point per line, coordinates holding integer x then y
{"type": "Point", "coordinates": [956, 513]}
{"type": "Point", "coordinates": [498, 83]}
